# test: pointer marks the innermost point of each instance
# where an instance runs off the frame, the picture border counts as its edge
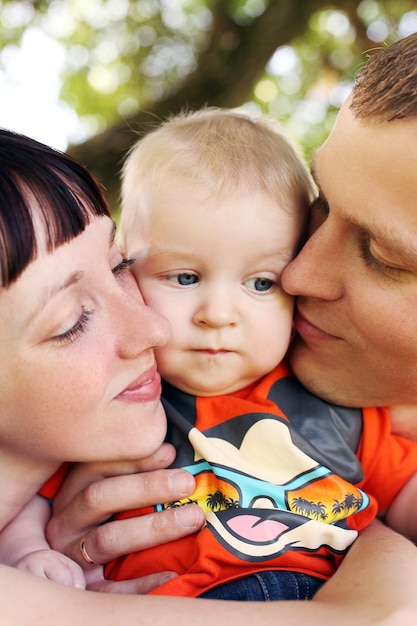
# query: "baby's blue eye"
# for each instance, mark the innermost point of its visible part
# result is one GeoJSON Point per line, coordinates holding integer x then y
{"type": "Point", "coordinates": [263, 284]}
{"type": "Point", "coordinates": [259, 284]}
{"type": "Point", "coordinates": [187, 279]}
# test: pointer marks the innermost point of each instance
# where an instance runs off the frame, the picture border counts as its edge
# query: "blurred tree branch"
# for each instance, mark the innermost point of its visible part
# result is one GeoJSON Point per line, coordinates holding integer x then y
{"type": "Point", "coordinates": [226, 72]}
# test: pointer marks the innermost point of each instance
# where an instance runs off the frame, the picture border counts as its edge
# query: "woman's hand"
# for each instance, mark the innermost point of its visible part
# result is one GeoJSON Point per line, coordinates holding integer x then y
{"type": "Point", "coordinates": [93, 492]}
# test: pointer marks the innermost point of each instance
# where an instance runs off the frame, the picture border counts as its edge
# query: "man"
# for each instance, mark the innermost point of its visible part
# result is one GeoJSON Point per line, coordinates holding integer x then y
{"type": "Point", "coordinates": [356, 279]}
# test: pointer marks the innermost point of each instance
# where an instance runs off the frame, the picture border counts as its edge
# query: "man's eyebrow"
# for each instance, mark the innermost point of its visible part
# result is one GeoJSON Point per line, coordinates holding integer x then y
{"type": "Point", "coordinates": [313, 170]}
{"type": "Point", "coordinates": [380, 233]}
{"type": "Point", "coordinates": [388, 239]}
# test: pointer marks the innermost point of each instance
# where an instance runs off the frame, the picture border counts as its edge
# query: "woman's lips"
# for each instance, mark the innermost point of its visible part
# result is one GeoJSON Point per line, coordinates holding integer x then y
{"type": "Point", "coordinates": [309, 331]}
{"type": "Point", "coordinates": [145, 388]}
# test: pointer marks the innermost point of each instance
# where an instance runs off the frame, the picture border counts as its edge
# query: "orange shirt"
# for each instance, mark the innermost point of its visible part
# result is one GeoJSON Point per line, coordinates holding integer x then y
{"type": "Point", "coordinates": [287, 482]}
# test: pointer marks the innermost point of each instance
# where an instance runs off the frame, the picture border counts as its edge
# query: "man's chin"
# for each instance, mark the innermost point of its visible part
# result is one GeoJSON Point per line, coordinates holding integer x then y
{"type": "Point", "coordinates": [303, 369]}
{"type": "Point", "coordinates": [316, 378]}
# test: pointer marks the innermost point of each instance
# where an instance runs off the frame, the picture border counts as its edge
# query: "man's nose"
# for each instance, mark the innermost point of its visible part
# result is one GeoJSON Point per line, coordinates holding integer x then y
{"type": "Point", "coordinates": [317, 270]}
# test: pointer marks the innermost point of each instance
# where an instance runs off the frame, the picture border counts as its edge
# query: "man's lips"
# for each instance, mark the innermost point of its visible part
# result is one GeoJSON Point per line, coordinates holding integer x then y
{"type": "Point", "coordinates": [145, 388]}
{"type": "Point", "coordinates": [309, 331]}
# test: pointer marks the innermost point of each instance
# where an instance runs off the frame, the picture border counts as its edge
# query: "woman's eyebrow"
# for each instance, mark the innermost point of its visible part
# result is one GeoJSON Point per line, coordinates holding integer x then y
{"type": "Point", "coordinates": [113, 233]}
{"type": "Point", "coordinates": [52, 291]}
{"type": "Point", "coordinates": [74, 278]}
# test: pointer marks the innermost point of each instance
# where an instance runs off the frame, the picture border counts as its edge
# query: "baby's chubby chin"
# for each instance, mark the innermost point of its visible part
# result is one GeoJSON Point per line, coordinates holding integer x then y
{"type": "Point", "coordinates": [208, 371]}
{"type": "Point", "coordinates": [207, 386]}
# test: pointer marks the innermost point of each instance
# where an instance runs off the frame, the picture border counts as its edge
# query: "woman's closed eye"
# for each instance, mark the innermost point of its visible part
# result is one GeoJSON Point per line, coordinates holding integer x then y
{"type": "Point", "coordinates": [121, 267]}
{"type": "Point", "coordinates": [73, 333]}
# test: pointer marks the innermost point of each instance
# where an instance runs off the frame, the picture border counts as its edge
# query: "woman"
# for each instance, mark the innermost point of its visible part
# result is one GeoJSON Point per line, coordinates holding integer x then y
{"type": "Point", "coordinates": [75, 364]}
{"type": "Point", "coordinates": [79, 383]}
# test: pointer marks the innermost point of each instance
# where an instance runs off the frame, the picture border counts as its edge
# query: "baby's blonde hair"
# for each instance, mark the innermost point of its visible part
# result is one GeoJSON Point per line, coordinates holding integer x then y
{"type": "Point", "coordinates": [222, 151]}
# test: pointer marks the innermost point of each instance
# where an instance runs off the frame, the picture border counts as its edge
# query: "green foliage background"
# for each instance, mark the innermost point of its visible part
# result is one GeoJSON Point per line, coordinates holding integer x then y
{"type": "Point", "coordinates": [126, 57]}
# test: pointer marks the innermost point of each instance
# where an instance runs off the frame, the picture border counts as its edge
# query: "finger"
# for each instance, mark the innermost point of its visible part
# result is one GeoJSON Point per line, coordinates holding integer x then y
{"type": "Point", "coordinates": [135, 586]}
{"type": "Point", "coordinates": [83, 474]}
{"type": "Point", "coordinates": [120, 537]}
{"type": "Point", "coordinates": [53, 566]}
{"type": "Point", "coordinates": [100, 500]}
{"type": "Point", "coordinates": [71, 575]}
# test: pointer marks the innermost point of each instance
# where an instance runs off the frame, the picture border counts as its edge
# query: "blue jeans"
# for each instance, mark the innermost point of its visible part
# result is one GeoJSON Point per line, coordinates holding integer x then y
{"type": "Point", "coordinates": [279, 585]}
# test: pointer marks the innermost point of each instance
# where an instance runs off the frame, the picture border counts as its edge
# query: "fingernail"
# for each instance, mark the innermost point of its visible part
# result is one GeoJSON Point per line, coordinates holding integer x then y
{"type": "Point", "coordinates": [79, 585]}
{"type": "Point", "coordinates": [166, 577]}
{"type": "Point", "coordinates": [181, 484]}
{"type": "Point", "coordinates": [189, 516]}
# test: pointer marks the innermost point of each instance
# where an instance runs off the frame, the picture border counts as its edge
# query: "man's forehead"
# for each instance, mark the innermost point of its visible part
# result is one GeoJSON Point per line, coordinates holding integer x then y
{"type": "Point", "coordinates": [342, 129]}
{"type": "Point", "coordinates": [367, 171]}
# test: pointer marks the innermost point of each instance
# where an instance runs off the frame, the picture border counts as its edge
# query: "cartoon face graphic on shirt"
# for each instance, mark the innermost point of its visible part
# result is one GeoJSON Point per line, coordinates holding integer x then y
{"type": "Point", "coordinates": [263, 495]}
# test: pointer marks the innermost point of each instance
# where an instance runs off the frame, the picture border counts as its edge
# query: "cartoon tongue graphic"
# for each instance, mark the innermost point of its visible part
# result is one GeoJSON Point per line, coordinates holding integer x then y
{"type": "Point", "coordinates": [253, 529]}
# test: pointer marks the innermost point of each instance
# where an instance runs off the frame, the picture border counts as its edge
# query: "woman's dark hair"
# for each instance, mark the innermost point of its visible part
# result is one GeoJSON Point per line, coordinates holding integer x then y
{"type": "Point", "coordinates": [42, 186]}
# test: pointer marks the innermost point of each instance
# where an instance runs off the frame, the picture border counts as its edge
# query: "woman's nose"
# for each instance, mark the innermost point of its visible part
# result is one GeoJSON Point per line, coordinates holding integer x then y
{"type": "Point", "coordinates": [140, 328]}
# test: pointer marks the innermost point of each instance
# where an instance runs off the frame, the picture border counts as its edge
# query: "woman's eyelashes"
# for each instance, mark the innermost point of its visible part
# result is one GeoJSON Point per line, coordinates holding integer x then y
{"type": "Point", "coordinates": [73, 333]}
{"type": "Point", "coordinates": [121, 267]}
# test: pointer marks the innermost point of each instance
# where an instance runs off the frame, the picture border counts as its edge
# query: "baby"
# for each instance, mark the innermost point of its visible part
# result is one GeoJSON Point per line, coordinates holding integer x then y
{"type": "Point", "coordinates": [214, 207]}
